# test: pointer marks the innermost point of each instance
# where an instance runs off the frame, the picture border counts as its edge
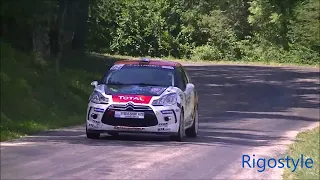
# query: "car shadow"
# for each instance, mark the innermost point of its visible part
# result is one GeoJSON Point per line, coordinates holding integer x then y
{"type": "Point", "coordinates": [213, 137]}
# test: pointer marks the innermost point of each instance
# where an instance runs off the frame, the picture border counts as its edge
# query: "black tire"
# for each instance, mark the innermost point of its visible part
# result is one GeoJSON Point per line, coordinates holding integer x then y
{"type": "Point", "coordinates": [193, 130]}
{"type": "Point", "coordinates": [179, 136]}
{"type": "Point", "coordinates": [92, 135]}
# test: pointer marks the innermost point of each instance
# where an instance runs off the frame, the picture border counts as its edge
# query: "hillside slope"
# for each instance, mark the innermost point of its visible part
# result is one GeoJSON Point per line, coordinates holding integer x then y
{"type": "Point", "coordinates": [33, 98]}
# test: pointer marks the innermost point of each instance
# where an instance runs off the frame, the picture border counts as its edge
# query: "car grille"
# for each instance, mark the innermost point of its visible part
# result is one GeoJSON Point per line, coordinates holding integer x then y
{"type": "Point", "coordinates": [123, 107]}
{"type": "Point", "coordinates": [150, 118]}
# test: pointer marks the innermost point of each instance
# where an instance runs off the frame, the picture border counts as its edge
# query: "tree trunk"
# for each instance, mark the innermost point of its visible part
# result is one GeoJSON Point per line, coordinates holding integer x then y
{"type": "Point", "coordinates": [56, 36]}
{"type": "Point", "coordinates": [78, 41]}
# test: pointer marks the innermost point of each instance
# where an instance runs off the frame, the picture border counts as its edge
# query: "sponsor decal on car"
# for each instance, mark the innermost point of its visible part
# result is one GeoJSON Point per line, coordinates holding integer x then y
{"type": "Point", "coordinates": [164, 129]}
{"type": "Point", "coordinates": [163, 124]}
{"type": "Point", "coordinates": [133, 98]}
{"type": "Point", "coordinates": [99, 110]}
{"type": "Point", "coordinates": [156, 90]}
{"type": "Point", "coordinates": [167, 67]}
{"type": "Point", "coordinates": [148, 65]}
{"type": "Point", "coordinates": [116, 66]}
{"type": "Point", "coordinates": [128, 128]}
{"type": "Point", "coordinates": [95, 121]}
{"type": "Point", "coordinates": [166, 112]}
{"type": "Point", "coordinates": [136, 89]}
{"type": "Point", "coordinates": [94, 126]}
{"type": "Point", "coordinates": [113, 89]}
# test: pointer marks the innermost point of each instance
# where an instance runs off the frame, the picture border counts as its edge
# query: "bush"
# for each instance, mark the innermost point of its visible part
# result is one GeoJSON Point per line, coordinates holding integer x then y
{"type": "Point", "coordinates": [302, 55]}
{"type": "Point", "coordinates": [207, 53]}
{"type": "Point", "coordinates": [259, 49]}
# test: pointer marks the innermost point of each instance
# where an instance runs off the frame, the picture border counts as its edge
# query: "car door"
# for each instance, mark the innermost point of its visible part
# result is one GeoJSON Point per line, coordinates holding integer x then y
{"type": "Point", "coordinates": [187, 94]}
{"type": "Point", "coordinates": [193, 100]}
{"type": "Point", "coordinates": [191, 95]}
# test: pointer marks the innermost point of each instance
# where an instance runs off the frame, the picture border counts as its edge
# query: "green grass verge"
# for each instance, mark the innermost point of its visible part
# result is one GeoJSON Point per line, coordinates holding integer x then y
{"type": "Point", "coordinates": [308, 145]}
{"type": "Point", "coordinates": [34, 99]}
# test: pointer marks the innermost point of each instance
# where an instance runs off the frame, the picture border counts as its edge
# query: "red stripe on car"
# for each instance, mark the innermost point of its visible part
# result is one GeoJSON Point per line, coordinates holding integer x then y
{"type": "Point", "coordinates": [133, 98]}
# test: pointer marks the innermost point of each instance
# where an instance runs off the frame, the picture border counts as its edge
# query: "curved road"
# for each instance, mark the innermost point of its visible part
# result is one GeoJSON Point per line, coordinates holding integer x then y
{"type": "Point", "coordinates": [243, 110]}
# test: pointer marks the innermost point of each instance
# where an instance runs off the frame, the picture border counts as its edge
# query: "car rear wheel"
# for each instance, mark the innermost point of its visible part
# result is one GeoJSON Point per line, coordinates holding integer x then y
{"type": "Point", "coordinates": [91, 135]}
{"type": "Point", "coordinates": [193, 130]}
{"type": "Point", "coordinates": [180, 134]}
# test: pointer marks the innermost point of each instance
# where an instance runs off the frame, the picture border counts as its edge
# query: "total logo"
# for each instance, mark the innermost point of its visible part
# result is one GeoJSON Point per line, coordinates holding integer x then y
{"type": "Point", "coordinates": [133, 98]}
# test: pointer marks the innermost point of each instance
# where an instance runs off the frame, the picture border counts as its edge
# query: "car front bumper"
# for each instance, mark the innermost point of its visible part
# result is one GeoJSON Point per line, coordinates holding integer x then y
{"type": "Point", "coordinates": [158, 119]}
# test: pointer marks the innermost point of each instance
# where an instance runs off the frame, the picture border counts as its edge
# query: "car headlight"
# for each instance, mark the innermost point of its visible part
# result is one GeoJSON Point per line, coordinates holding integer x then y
{"type": "Point", "coordinates": [166, 100]}
{"type": "Point", "coordinates": [98, 98]}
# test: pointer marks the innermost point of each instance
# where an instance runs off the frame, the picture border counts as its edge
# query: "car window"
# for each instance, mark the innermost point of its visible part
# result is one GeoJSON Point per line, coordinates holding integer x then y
{"type": "Point", "coordinates": [183, 81]}
{"type": "Point", "coordinates": [135, 74]}
{"type": "Point", "coordinates": [186, 75]}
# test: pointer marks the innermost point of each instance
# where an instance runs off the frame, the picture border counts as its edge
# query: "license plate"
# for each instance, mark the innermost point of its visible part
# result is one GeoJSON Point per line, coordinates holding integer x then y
{"type": "Point", "coordinates": [129, 114]}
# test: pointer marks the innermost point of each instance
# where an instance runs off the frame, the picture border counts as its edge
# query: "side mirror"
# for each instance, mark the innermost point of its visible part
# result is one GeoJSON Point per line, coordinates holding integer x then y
{"type": "Point", "coordinates": [189, 87]}
{"type": "Point", "coordinates": [94, 83]}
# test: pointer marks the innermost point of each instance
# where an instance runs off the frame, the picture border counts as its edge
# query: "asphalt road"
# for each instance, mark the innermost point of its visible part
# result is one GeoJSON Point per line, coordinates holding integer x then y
{"type": "Point", "coordinates": [243, 109]}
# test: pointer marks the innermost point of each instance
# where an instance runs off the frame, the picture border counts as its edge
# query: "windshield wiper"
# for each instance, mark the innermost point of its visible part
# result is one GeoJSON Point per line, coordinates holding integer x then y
{"type": "Point", "coordinates": [115, 83]}
{"type": "Point", "coordinates": [143, 84]}
{"type": "Point", "coordinates": [147, 84]}
{"type": "Point", "coordinates": [138, 84]}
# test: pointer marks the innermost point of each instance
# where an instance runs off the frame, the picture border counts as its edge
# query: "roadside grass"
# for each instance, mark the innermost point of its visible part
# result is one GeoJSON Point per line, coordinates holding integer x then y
{"type": "Point", "coordinates": [308, 145]}
{"type": "Point", "coordinates": [34, 99]}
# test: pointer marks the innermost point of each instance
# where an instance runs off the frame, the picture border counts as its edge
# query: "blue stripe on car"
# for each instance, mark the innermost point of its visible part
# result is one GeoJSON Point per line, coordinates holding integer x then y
{"type": "Point", "coordinates": [98, 110]}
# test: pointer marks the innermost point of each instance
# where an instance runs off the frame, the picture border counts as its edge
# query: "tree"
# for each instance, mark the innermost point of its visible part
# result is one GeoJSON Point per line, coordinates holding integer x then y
{"type": "Point", "coordinates": [82, 13]}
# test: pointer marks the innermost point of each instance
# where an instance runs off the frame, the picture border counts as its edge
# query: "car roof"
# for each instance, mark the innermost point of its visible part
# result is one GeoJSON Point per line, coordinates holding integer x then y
{"type": "Point", "coordinates": [151, 62]}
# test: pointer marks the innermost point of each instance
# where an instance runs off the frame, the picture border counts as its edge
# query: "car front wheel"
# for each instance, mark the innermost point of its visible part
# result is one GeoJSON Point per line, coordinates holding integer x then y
{"type": "Point", "coordinates": [180, 134]}
{"type": "Point", "coordinates": [193, 130]}
{"type": "Point", "coordinates": [91, 135]}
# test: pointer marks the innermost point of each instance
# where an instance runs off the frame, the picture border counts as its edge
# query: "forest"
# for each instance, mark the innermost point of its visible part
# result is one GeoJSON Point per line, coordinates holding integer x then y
{"type": "Point", "coordinates": [285, 31]}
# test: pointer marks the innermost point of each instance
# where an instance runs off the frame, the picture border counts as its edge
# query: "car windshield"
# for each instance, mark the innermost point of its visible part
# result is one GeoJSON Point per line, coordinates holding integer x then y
{"type": "Point", "coordinates": [140, 75]}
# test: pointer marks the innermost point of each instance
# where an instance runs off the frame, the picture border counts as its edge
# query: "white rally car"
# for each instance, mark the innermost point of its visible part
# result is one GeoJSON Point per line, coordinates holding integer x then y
{"type": "Point", "coordinates": [150, 96]}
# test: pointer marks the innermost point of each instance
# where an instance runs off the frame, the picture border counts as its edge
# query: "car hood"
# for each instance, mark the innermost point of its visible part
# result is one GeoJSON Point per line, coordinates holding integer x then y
{"type": "Point", "coordinates": [134, 90]}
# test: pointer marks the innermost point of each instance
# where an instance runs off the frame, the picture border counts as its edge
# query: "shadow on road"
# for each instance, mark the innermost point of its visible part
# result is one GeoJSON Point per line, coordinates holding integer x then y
{"type": "Point", "coordinates": [239, 105]}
